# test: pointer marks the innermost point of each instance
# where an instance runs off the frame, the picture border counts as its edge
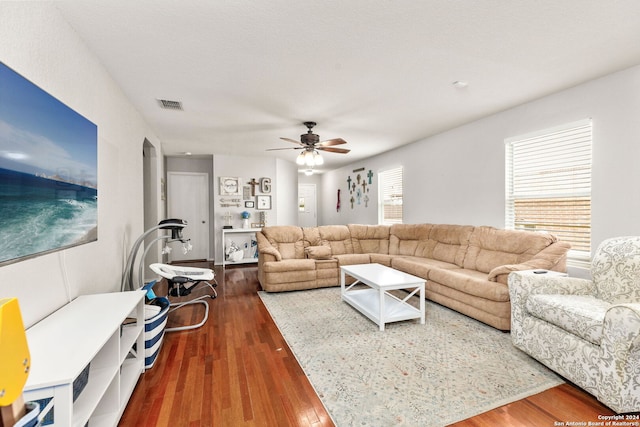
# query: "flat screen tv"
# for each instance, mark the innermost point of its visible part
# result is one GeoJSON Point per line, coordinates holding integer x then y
{"type": "Point", "coordinates": [48, 172]}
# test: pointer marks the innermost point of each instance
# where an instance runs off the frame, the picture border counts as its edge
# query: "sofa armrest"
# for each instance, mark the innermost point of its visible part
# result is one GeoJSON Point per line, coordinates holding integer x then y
{"type": "Point", "coordinates": [525, 283]}
{"type": "Point", "coordinates": [620, 362]}
{"type": "Point", "coordinates": [270, 254]}
{"type": "Point", "coordinates": [501, 273]}
{"type": "Point", "coordinates": [522, 284]}
{"type": "Point", "coordinates": [266, 250]}
{"type": "Point", "coordinates": [553, 257]}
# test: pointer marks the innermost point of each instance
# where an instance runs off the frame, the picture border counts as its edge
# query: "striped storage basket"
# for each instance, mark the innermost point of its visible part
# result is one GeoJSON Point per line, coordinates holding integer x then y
{"type": "Point", "coordinates": [155, 320]}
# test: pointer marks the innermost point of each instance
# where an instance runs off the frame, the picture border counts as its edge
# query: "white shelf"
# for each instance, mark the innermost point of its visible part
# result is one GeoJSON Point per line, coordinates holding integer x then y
{"type": "Point", "coordinates": [242, 261]}
{"type": "Point", "coordinates": [367, 301]}
{"type": "Point", "coordinates": [237, 231]}
{"type": "Point", "coordinates": [87, 331]}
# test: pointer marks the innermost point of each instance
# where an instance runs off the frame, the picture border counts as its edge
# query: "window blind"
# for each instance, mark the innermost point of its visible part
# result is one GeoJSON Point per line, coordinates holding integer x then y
{"type": "Point", "coordinates": [548, 184]}
{"type": "Point", "coordinates": [390, 196]}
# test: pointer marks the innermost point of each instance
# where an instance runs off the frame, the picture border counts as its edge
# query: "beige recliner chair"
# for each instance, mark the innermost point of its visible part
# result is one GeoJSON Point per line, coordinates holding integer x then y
{"type": "Point", "coordinates": [588, 331]}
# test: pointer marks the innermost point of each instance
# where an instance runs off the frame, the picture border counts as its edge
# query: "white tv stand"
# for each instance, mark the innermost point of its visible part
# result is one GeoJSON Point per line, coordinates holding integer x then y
{"type": "Point", "coordinates": [87, 331]}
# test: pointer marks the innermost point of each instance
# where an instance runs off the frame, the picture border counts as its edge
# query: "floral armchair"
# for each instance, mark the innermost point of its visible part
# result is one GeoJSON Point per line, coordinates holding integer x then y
{"type": "Point", "coordinates": [588, 331]}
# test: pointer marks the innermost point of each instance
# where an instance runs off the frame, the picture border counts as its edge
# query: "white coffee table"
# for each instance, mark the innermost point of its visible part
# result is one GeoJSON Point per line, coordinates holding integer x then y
{"type": "Point", "coordinates": [375, 301]}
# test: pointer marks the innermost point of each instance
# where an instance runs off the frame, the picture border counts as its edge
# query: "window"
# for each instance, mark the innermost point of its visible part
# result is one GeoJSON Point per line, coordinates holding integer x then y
{"type": "Point", "coordinates": [390, 196]}
{"type": "Point", "coordinates": [548, 184]}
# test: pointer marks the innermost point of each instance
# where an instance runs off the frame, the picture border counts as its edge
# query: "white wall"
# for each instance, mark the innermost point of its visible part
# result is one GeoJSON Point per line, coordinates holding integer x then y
{"type": "Point", "coordinates": [38, 44]}
{"type": "Point", "coordinates": [287, 194]}
{"type": "Point", "coordinates": [284, 190]}
{"type": "Point", "coordinates": [457, 177]}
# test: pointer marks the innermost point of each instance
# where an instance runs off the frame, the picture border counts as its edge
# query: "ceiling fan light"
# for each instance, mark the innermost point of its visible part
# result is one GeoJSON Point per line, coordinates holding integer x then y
{"type": "Point", "coordinates": [318, 158]}
{"type": "Point", "coordinates": [308, 158]}
{"type": "Point", "coordinates": [300, 159]}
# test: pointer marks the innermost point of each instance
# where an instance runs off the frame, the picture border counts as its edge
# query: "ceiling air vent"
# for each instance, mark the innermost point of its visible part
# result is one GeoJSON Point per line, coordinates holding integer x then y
{"type": "Point", "coordinates": [170, 105]}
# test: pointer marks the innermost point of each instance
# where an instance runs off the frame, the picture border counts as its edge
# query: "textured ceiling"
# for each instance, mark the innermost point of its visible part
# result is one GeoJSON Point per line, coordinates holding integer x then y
{"type": "Point", "coordinates": [377, 73]}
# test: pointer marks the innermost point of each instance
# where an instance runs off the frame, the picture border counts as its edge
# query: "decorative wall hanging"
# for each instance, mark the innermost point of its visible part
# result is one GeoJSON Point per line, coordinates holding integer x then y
{"type": "Point", "coordinates": [338, 205]}
{"type": "Point", "coordinates": [229, 186]}
{"type": "Point", "coordinates": [249, 204]}
{"type": "Point", "coordinates": [246, 192]}
{"type": "Point", "coordinates": [227, 202]}
{"type": "Point", "coordinates": [253, 184]}
{"type": "Point", "coordinates": [48, 172]}
{"type": "Point", "coordinates": [227, 220]}
{"type": "Point", "coordinates": [265, 185]}
{"type": "Point", "coordinates": [264, 202]}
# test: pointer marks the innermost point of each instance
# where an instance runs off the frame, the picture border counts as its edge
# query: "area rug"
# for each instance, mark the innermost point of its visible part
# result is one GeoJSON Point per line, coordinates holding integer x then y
{"type": "Point", "coordinates": [447, 370]}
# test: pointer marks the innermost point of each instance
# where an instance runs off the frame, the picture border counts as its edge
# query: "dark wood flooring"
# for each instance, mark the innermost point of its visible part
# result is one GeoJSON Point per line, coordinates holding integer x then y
{"type": "Point", "coordinates": [237, 370]}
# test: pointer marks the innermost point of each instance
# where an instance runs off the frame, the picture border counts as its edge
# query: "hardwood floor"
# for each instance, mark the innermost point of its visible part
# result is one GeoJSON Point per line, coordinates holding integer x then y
{"type": "Point", "coordinates": [237, 370]}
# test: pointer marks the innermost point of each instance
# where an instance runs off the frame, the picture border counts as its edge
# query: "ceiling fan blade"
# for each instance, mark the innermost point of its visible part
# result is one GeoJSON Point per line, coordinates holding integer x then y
{"type": "Point", "coordinates": [287, 148]}
{"type": "Point", "coordinates": [335, 141]}
{"type": "Point", "coordinates": [291, 140]}
{"type": "Point", "coordinates": [334, 150]}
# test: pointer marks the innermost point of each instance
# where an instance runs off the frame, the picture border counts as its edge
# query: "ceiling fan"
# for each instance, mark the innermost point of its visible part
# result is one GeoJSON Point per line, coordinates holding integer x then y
{"type": "Point", "coordinates": [310, 143]}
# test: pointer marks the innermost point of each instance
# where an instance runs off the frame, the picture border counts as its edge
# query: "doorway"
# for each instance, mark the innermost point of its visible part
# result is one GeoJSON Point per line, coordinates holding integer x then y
{"type": "Point", "coordinates": [307, 209]}
{"type": "Point", "coordinates": [188, 199]}
{"type": "Point", "coordinates": [150, 181]}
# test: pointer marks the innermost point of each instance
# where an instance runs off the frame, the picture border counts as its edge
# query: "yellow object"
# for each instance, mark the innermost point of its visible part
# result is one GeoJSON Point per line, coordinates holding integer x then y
{"type": "Point", "coordinates": [15, 359]}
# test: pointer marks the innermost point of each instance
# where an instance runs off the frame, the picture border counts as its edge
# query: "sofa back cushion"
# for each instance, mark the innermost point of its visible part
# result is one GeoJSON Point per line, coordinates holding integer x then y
{"type": "Point", "coordinates": [615, 270]}
{"type": "Point", "coordinates": [409, 239]}
{"type": "Point", "coordinates": [369, 238]}
{"type": "Point", "coordinates": [287, 239]}
{"type": "Point", "coordinates": [450, 243]}
{"type": "Point", "coordinates": [337, 237]}
{"type": "Point", "coordinates": [490, 247]}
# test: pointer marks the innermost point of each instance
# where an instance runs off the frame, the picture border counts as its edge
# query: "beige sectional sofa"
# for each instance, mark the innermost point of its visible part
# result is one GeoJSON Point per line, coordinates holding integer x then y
{"type": "Point", "coordinates": [466, 267]}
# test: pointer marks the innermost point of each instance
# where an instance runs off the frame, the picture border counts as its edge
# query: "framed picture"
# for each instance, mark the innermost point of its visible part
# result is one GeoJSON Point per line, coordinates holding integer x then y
{"type": "Point", "coordinates": [246, 193]}
{"type": "Point", "coordinates": [48, 172]}
{"type": "Point", "coordinates": [249, 204]}
{"type": "Point", "coordinates": [229, 186]}
{"type": "Point", "coordinates": [264, 202]}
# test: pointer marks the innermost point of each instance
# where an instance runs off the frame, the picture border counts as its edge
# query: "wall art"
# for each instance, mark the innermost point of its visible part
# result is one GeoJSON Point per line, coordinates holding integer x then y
{"type": "Point", "coordinates": [48, 172]}
{"type": "Point", "coordinates": [264, 202]}
{"type": "Point", "coordinates": [229, 186]}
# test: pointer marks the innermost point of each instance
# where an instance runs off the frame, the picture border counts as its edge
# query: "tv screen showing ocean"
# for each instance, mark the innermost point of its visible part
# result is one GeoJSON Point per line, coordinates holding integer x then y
{"type": "Point", "coordinates": [41, 214]}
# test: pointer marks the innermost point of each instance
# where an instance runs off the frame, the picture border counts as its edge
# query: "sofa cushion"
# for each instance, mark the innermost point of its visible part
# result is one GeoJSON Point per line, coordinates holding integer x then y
{"type": "Point", "coordinates": [419, 266]}
{"type": "Point", "coordinates": [471, 282]}
{"type": "Point", "coordinates": [409, 239]}
{"type": "Point", "coordinates": [369, 238]}
{"type": "Point", "coordinates": [318, 252]}
{"type": "Point", "coordinates": [289, 265]}
{"type": "Point", "coordinates": [490, 247]}
{"type": "Point", "coordinates": [451, 243]}
{"type": "Point", "coordinates": [337, 237]}
{"type": "Point", "coordinates": [381, 259]}
{"type": "Point", "coordinates": [580, 315]}
{"type": "Point", "coordinates": [352, 259]}
{"type": "Point", "coordinates": [287, 239]}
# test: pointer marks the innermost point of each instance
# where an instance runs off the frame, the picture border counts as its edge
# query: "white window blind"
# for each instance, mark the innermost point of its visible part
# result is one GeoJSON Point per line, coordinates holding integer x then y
{"type": "Point", "coordinates": [548, 184]}
{"type": "Point", "coordinates": [390, 196]}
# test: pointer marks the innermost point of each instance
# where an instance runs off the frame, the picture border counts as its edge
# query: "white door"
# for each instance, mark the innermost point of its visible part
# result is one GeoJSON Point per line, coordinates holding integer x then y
{"type": "Point", "coordinates": [307, 215]}
{"type": "Point", "coordinates": [188, 199]}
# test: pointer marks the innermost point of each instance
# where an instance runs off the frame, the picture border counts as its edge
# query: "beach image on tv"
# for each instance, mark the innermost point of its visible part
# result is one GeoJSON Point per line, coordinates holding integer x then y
{"type": "Point", "coordinates": [48, 172]}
